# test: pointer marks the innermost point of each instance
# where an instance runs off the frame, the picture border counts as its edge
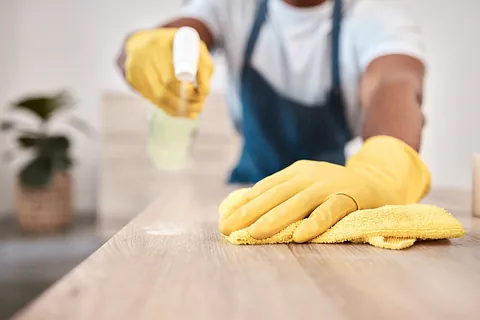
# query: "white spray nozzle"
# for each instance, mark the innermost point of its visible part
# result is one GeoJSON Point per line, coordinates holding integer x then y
{"type": "Point", "coordinates": [186, 53]}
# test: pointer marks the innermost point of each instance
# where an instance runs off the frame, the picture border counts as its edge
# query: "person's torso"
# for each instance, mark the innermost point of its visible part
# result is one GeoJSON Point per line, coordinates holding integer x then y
{"type": "Point", "coordinates": [293, 54]}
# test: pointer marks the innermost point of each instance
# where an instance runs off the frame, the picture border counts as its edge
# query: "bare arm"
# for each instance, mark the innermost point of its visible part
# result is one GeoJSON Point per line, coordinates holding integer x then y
{"type": "Point", "coordinates": [391, 94]}
{"type": "Point", "coordinates": [204, 33]}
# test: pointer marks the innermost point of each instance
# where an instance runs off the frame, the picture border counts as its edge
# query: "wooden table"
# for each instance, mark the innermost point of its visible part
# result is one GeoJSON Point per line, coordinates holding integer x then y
{"type": "Point", "coordinates": [170, 263]}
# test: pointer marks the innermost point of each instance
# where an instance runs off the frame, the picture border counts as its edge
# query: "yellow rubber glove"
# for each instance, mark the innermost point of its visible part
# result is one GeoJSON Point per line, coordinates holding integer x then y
{"type": "Point", "coordinates": [149, 69]}
{"type": "Point", "coordinates": [386, 171]}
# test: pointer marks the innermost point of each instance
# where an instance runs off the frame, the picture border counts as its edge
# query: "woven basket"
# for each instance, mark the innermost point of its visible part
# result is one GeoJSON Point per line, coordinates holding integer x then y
{"type": "Point", "coordinates": [45, 210]}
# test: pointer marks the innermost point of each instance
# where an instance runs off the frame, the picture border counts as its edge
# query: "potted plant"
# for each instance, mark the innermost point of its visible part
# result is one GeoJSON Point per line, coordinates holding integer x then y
{"type": "Point", "coordinates": [43, 193]}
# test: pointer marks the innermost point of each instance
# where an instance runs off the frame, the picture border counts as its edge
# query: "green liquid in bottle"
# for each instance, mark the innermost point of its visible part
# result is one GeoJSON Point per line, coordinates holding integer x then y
{"type": "Point", "coordinates": [170, 137]}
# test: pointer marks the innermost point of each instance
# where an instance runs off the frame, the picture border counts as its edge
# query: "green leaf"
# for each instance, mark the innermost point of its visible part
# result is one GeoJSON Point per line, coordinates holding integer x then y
{"type": "Point", "coordinates": [44, 107]}
{"type": "Point", "coordinates": [56, 148]}
{"type": "Point", "coordinates": [59, 142]}
{"type": "Point", "coordinates": [6, 125]}
{"type": "Point", "coordinates": [53, 145]}
{"type": "Point", "coordinates": [28, 141]}
{"type": "Point", "coordinates": [37, 173]}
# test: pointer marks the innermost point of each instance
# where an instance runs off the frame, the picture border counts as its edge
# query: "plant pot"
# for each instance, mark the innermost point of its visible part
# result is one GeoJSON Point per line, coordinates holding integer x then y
{"type": "Point", "coordinates": [47, 209]}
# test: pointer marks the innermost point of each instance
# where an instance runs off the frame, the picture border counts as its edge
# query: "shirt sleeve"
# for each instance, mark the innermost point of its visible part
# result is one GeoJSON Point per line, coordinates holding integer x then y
{"type": "Point", "coordinates": [210, 12]}
{"type": "Point", "coordinates": [386, 27]}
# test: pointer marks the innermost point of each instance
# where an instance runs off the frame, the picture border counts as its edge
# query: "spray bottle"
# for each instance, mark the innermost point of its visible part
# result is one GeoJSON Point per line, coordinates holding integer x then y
{"type": "Point", "coordinates": [170, 137]}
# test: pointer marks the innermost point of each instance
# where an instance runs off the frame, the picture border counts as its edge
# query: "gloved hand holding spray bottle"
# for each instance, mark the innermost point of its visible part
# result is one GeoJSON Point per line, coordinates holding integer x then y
{"type": "Point", "coordinates": [171, 68]}
{"type": "Point", "coordinates": [170, 137]}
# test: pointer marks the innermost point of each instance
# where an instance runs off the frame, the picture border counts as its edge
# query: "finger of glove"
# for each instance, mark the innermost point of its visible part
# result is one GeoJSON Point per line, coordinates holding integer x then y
{"type": "Point", "coordinates": [230, 200]}
{"type": "Point", "coordinates": [137, 40]}
{"type": "Point", "coordinates": [247, 214]}
{"type": "Point", "coordinates": [141, 81]}
{"type": "Point", "coordinates": [262, 187]}
{"type": "Point", "coordinates": [160, 87]}
{"type": "Point", "coordinates": [182, 99]}
{"type": "Point", "coordinates": [205, 70]}
{"type": "Point", "coordinates": [294, 209]}
{"type": "Point", "coordinates": [186, 91]}
{"type": "Point", "coordinates": [174, 105]}
{"type": "Point", "coordinates": [145, 75]}
{"type": "Point", "coordinates": [325, 216]}
{"type": "Point", "coordinates": [151, 52]}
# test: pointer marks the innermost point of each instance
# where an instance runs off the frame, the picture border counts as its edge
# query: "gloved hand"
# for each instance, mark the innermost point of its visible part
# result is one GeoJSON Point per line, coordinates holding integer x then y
{"type": "Point", "coordinates": [385, 171]}
{"type": "Point", "coordinates": [149, 69]}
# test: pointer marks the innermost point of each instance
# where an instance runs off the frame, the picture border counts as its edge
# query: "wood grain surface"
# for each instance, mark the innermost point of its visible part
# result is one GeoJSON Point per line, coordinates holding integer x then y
{"type": "Point", "coordinates": [171, 263]}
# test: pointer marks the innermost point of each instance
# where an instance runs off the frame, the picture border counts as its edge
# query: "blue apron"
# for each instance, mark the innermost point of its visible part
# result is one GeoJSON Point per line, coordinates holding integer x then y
{"type": "Point", "coordinates": [278, 131]}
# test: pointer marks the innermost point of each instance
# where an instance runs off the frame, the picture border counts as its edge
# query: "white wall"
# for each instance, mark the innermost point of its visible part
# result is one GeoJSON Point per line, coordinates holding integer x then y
{"type": "Point", "coordinates": [51, 44]}
{"type": "Point", "coordinates": [451, 30]}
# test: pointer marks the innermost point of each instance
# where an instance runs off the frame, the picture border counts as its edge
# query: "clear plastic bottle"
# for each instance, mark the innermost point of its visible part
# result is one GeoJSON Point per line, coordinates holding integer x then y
{"type": "Point", "coordinates": [170, 137]}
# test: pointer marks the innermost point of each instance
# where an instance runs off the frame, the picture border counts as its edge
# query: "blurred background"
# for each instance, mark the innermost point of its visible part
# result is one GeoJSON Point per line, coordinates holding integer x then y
{"type": "Point", "coordinates": [51, 45]}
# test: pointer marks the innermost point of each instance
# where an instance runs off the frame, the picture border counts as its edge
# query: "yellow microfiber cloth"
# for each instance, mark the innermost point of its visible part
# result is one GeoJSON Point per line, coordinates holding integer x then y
{"type": "Point", "coordinates": [388, 227]}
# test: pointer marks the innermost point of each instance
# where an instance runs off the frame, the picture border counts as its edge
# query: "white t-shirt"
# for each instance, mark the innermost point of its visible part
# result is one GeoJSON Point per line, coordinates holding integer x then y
{"type": "Point", "coordinates": [293, 48]}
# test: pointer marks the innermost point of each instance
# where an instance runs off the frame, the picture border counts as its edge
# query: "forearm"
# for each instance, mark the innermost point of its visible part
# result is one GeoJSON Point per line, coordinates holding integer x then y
{"type": "Point", "coordinates": [394, 109]}
{"type": "Point", "coordinates": [392, 126]}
